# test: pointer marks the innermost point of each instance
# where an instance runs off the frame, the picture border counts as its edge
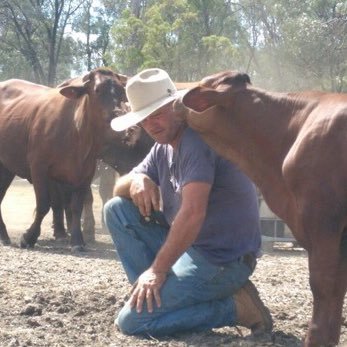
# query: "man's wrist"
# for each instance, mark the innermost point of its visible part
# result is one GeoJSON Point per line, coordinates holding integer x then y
{"type": "Point", "coordinates": [159, 270]}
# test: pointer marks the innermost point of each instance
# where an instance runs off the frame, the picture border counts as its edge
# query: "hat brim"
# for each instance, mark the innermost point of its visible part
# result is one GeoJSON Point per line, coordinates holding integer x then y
{"type": "Point", "coordinates": [130, 119]}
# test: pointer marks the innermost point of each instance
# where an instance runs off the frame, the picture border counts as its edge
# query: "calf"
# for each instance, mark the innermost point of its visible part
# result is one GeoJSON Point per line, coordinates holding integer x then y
{"type": "Point", "coordinates": [291, 146]}
{"type": "Point", "coordinates": [55, 135]}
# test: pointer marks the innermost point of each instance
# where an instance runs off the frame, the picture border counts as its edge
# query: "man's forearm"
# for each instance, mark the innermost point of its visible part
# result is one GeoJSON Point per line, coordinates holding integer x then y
{"type": "Point", "coordinates": [181, 236]}
{"type": "Point", "coordinates": [122, 187]}
{"type": "Point", "coordinates": [141, 190]}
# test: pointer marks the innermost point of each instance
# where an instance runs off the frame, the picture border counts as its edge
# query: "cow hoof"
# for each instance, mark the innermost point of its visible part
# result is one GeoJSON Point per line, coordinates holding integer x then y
{"type": "Point", "coordinates": [89, 238]}
{"type": "Point", "coordinates": [6, 242]}
{"type": "Point", "coordinates": [61, 237]}
{"type": "Point", "coordinates": [78, 249]}
{"type": "Point", "coordinates": [25, 244]}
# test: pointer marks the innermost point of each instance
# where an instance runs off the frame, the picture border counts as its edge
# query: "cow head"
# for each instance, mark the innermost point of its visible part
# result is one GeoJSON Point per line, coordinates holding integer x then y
{"type": "Point", "coordinates": [212, 100]}
{"type": "Point", "coordinates": [103, 85]}
{"type": "Point", "coordinates": [100, 94]}
{"type": "Point", "coordinates": [215, 90]}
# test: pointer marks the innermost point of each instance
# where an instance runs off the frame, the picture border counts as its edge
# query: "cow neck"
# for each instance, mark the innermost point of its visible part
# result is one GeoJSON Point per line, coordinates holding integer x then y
{"type": "Point", "coordinates": [264, 118]}
{"type": "Point", "coordinates": [261, 132]}
{"type": "Point", "coordinates": [89, 128]}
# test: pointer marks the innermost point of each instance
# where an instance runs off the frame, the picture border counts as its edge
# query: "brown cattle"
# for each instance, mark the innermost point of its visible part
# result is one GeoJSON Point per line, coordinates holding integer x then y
{"type": "Point", "coordinates": [291, 145]}
{"type": "Point", "coordinates": [121, 152]}
{"type": "Point", "coordinates": [54, 135]}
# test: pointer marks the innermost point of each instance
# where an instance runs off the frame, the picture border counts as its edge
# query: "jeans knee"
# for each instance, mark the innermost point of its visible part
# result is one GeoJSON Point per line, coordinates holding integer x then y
{"type": "Point", "coordinates": [127, 322]}
{"type": "Point", "coordinates": [112, 210]}
{"type": "Point", "coordinates": [119, 213]}
{"type": "Point", "coordinates": [111, 205]}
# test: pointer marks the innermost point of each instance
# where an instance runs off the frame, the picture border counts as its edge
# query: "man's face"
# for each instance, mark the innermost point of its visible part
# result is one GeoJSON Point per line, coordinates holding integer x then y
{"type": "Point", "coordinates": [163, 125]}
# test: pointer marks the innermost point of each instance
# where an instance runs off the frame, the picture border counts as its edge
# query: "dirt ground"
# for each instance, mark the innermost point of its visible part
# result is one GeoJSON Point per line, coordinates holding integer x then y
{"type": "Point", "coordinates": [51, 297]}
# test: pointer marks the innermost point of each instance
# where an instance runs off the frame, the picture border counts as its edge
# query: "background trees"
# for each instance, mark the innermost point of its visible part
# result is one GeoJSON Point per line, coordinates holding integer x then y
{"type": "Point", "coordinates": [33, 35]}
{"type": "Point", "coordinates": [282, 44]}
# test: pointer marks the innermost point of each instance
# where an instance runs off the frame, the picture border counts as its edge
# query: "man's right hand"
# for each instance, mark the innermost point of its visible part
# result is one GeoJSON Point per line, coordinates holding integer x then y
{"type": "Point", "coordinates": [145, 194]}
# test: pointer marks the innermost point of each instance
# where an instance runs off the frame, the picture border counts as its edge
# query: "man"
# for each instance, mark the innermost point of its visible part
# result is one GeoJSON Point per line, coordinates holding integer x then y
{"type": "Point", "coordinates": [189, 261]}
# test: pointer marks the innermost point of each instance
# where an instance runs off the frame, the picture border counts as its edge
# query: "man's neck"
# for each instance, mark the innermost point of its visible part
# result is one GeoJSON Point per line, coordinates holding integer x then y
{"type": "Point", "coordinates": [175, 142]}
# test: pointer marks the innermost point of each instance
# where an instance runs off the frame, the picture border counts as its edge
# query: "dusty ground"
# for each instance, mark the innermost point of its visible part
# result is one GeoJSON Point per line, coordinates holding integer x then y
{"type": "Point", "coordinates": [50, 297]}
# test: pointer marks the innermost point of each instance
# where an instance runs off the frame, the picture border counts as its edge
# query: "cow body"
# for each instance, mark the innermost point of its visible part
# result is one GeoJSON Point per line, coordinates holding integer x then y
{"type": "Point", "coordinates": [53, 135]}
{"type": "Point", "coordinates": [290, 145]}
{"type": "Point", "coordinates": [121, 151]}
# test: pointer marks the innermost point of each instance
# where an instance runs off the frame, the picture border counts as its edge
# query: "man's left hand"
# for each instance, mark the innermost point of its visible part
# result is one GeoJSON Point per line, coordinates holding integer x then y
{"type": "Point", "coordinates": [147, 287]}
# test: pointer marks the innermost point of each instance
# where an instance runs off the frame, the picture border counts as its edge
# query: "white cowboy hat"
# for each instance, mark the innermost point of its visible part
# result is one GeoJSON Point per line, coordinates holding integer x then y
{"type": "Point", "coordinates": [146, 92]}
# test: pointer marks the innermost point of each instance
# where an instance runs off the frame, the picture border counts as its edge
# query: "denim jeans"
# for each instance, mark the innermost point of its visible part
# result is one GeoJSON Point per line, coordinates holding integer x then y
{"type": "Point", "coordinates": [196, 295]}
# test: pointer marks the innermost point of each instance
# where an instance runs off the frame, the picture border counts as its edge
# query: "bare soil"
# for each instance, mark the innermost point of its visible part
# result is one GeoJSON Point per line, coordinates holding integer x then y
{"type": "Point", "coordinates": [51, 297]}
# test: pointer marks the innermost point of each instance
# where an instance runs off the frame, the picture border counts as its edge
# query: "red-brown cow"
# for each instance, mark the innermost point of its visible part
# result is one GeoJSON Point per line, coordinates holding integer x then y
{"type": "Point", "coordinates": [291, 146]}
{"type": "Point", "coordinates": [121, 152]}
{"type": "Point", "coordinates": [54, 134]}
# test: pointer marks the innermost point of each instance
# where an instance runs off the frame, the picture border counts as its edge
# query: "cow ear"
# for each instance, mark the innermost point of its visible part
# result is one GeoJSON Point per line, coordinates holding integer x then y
{"type": "Point", "coordinates": [123, 79]}
{"type": "Point", "coordinates": [199, 99]}
{"type": "Point", "coordinates": [72, 92]}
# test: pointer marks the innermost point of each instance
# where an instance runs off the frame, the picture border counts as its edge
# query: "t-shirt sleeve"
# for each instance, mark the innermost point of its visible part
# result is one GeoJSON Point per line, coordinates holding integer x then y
{"type": "Point", "coordinates": [148, 166]}
{"type": "Point", "coordinates": [198, 161]}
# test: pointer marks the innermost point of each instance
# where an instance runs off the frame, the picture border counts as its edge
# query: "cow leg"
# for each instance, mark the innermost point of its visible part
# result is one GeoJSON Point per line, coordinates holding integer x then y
{"type": "Point", "coordinates": [106, 186]}
{"type": "Point", "coordinates": [6, 177]}
{"type": "Point", "coordinates": [88, 217]}
{"type": "Point", "coordinates": [328, 281]}
{"type": "Point", "coordinates": [57, 204]}
{"type": "Point", "coordinates": [77, 201]}
{"type": "Point", "coordinates": [41, 188]}
{"type": "Point", "coordinates": [67, 209]}
{"type": "Point", "coordinates": [59, 231]}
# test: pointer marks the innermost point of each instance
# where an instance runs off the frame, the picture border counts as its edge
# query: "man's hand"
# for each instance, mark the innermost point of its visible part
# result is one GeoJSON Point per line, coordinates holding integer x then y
{"type": "Point", "coordinates": [145, 194]}
{"type": "Point", "coordinates": [147, 287]}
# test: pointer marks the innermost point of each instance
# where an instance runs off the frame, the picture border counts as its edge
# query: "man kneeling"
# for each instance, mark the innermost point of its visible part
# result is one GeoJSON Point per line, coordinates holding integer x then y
{"type": "Point", "coordinates": [190, 257]}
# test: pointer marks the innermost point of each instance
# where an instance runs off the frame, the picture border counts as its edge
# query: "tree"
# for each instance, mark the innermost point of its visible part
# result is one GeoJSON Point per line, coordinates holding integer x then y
{"type": "Point", "coordinates": [187, 38]}
{"type": "Point", "coordinates": [282, 45]}
{"type": "Point", "coordinates": [315, 42]}
{"type": "Point", "coordinates": [127, 40]}
{"type": "Point", "coordinates": [93, 26]}
{"type": "Point", "coordinates": [36, 31]}
{"type": "Point", "coordinates": [300, 44]}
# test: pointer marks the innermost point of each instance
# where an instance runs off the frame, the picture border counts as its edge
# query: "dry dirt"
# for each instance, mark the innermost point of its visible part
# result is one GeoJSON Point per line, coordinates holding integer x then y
{"type": "Point", "coordinates": [50, 297]}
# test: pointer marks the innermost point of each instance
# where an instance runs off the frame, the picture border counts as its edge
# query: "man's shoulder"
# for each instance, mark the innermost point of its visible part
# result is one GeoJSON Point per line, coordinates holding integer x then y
{"type": "Point", "coordinates": [194, 149]}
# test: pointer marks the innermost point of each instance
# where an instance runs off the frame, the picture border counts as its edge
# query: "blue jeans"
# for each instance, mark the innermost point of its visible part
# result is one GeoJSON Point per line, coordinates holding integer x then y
{"type": "Point", "coordinates": [196, 295]}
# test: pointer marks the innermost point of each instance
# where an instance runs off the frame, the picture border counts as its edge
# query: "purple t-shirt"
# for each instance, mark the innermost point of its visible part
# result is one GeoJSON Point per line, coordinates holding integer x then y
{"type": "Point", "coordinates": [231, 226]}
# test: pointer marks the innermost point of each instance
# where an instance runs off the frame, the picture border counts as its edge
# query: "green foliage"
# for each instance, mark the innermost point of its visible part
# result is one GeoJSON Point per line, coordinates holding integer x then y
{"type": "Point", "coordinates": [217, 48]}
{"type": "Point", "coordinates": [281, 44]}
{"type": "Point", "coordinates": [93, 25]}
{"type": "Point", "coordinates": [300, 43]}
{"type": "Point", "coordinates": [165, 22]}
{"type": "Point", "coordinates": [314, 43]}
{"type": "Point", "coordinates": [127, 39]}
{"type": "Point", "coordinates": [183, 37]}
{"type": "Point", "coordinates": [36, 31]}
